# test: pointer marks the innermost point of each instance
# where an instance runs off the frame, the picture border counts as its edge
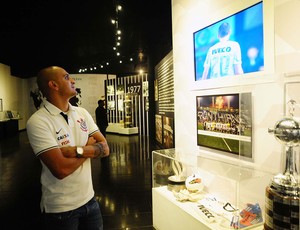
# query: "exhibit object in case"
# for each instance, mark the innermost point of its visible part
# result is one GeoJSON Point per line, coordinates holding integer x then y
{"type": "Point", "coordinates": [224, 195]}
{"type": "Point", "coordinates": [128, 112]}
{"type": "Point", "coordinates": [283, 193]}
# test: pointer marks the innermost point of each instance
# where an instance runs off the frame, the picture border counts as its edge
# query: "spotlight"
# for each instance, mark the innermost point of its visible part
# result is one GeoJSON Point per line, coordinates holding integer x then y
{"type": "Point", "coordinates": [119, 7]}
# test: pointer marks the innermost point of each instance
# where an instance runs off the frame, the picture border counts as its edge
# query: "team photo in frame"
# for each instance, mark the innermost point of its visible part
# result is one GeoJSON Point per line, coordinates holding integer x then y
{"type": "Point", "coordinates": [224, 122]}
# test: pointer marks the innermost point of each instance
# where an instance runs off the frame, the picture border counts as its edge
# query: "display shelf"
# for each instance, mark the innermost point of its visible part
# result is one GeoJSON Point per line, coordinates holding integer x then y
{"type": "Point", "coordinates": [241, 186]}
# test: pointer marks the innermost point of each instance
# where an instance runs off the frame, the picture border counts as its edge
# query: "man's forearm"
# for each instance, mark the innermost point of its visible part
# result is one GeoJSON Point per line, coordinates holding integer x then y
{"type": "Point", "coordinates": [99, 149]}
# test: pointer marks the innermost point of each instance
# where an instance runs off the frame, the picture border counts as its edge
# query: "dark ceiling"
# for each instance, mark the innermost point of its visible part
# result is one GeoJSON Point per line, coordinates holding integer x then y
{"type": "Point", "coordinates": [40, 33]}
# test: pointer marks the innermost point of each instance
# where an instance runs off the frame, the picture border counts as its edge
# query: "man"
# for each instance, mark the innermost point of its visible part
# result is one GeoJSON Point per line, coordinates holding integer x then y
{"type": "Point", "coordinates": [223, 58]}
{"type": "Point", "coordinates": [101, 117]}
{"type": "Point", "coordinates": [65, 146]}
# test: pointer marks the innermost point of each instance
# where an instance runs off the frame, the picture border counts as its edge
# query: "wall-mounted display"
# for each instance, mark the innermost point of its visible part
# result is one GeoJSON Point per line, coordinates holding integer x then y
{"type": "Point", "coordinates": [164, 102]}
{"type": "Point", "coordinates": [222, 48]}
{"type": "Point", "coordinates": [224, 122]}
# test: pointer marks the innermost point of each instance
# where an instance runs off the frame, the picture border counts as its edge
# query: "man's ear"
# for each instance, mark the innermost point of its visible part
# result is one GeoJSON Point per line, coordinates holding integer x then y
{"type": "Point", "coordinates": [53, 85]}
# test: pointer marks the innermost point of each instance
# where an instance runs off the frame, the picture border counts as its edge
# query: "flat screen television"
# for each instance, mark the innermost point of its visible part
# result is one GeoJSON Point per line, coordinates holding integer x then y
{"type": "Point", "coordinates": [224, 122]}
{"type": "Point", "coordinates": [232, 46]}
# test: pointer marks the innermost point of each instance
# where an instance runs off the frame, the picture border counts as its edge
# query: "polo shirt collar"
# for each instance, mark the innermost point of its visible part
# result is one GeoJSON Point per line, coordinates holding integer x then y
{"type": "Point", "coordinates": [52, 109]}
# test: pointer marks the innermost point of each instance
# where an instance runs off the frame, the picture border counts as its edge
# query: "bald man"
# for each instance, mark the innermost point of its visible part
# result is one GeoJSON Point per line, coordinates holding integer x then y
{"type": "Point", "coordinates": [65, 139]}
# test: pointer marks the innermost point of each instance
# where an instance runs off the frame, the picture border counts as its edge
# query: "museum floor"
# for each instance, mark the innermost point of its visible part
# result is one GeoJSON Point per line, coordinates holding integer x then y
{"type": "Point", "coordinates": [122, 184]}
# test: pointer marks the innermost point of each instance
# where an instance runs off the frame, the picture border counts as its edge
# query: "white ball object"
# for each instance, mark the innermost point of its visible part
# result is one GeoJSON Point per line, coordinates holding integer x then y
{"type": "Point", "coordinates": [194, 183]}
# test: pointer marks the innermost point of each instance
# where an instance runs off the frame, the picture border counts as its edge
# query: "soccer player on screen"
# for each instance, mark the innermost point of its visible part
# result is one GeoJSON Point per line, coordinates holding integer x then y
{"type": "Point", "coordinates": [223, 58]}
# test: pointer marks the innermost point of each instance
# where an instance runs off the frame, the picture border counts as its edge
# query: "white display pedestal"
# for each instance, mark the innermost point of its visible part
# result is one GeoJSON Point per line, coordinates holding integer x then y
{"type": "Point", "coordinates": [171, 214]}
{"type": "Point", "coordinates": [129, 131]}
{"type": "Point", "coordinates": [119, 129]}
{"type": "Point", "coordinates": [168, 213]}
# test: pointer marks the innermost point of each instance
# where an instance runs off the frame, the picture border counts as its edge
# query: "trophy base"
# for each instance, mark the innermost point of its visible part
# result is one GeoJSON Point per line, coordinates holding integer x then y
{"type": "Point", "coordinates": [281, 211]}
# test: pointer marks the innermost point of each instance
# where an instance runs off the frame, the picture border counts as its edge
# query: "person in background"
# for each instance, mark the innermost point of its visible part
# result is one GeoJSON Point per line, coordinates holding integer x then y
{"type": "Point", "coordinates": [101, 117]}
{"type": "Point", "coordinates": [65, 139]}
{"type": "Point", "coordinates": [223, 58]}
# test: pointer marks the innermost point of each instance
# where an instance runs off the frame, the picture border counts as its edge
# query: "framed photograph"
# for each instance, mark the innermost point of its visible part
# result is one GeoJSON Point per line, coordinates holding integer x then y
{"type": "Point", "coordinates": [158, 128]}
{"type": "Point", "coordinates": [1, 105]}
{"type": "Point", "coordinates": [9, 114]}
{"type": "Point", "coordinates": [168, 132]}
{"type": "Point", "coordinates": [224, 122]}
{"type": "Point", "coordinates": [110, 90]}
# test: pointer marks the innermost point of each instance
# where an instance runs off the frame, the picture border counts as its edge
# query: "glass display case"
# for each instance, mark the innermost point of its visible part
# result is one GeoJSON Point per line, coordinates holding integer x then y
{"type": "Point", "coordinates": [210, 194]}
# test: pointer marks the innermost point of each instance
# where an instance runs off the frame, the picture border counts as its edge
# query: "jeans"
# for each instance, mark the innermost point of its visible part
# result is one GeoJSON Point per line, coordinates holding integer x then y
{"type": "Point", "coordinates": [86, 217]}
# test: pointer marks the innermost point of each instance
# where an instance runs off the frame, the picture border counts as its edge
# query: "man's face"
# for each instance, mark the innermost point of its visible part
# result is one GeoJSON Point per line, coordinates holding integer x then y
{"type": "Point", "coordinates": [66, 84]}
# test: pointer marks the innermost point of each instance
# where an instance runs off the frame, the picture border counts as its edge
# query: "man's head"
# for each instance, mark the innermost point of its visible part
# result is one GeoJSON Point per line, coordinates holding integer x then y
{"type": "Point", "coordinates": [55, 80]}
{"type": "Point", "coordinates": [224, 30]}
{"type": "Point", "coordinates": [101, 103]}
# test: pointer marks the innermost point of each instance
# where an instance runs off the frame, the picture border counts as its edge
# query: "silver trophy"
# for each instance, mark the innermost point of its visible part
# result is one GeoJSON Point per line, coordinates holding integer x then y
{"type": "Point", "coordinates": [282, 194]}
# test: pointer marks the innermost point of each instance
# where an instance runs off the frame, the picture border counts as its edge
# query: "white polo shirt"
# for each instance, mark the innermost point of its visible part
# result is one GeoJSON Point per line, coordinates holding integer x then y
{"type": "Point", "coordinates": [47, 129]}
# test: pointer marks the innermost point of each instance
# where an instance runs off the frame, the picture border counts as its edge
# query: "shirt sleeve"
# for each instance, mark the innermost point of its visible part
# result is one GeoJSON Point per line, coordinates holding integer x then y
{"type": "Point", "coordinates": [39, 135]}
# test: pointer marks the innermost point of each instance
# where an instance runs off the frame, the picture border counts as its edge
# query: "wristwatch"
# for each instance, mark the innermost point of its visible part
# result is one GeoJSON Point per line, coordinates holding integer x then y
{"type": "Point", "coordinates": [79, 152]}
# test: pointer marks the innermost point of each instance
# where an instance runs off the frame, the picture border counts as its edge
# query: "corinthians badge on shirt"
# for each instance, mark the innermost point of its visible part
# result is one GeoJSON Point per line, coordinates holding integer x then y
{"type": "Point", "coordinates": [83, 125]}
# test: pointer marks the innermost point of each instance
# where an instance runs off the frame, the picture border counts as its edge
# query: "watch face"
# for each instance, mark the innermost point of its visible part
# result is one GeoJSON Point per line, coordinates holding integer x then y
{"type": "Point", "coordinates": [79, 150]}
